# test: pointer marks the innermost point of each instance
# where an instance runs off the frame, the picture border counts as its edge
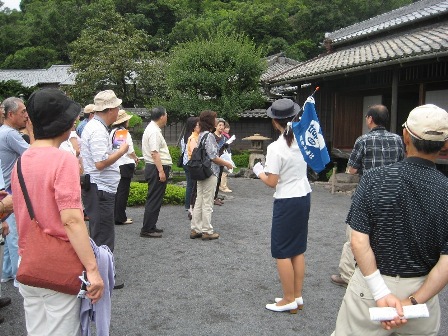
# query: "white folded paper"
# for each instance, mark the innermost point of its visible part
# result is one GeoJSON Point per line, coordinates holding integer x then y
{"type": "Point", "coordinates": [228, 157]}
{"type": "Point", "coordinates": [389, 313]}
{"type": "Point", "coordinates": [231, 139]}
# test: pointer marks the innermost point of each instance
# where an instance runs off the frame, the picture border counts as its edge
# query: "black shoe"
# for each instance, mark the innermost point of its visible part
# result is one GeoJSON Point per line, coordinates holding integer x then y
{"type": "Point", "coordinates": [2, 319]}
{"type": "Point", "coordinates": [150, 234]}
{"type": "Point", "coordinates": [119, 285]}
{"type": "Point", "coordinates": [5, 302]}
{"type": "Point", "coordinates": [158, 230]}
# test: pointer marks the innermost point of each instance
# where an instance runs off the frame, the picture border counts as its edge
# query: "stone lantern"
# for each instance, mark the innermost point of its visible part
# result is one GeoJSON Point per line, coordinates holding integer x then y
{"type": "Point", "coordinates": [257, 149]}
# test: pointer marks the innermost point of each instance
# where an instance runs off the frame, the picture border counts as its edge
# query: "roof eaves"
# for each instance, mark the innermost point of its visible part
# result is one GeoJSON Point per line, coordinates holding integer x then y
{"type": "Point", "coordinates": [371, 65]}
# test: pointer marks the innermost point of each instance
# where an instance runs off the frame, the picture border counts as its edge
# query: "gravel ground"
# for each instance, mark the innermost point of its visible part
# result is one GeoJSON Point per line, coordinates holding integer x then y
{"type": "Point", "coordinates": [179, 286]}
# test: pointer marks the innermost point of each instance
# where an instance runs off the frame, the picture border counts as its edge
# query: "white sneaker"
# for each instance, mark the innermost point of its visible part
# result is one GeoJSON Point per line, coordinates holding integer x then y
{"type": "Point", "coordinates": [16, 283]}
{"type": "Point", "coordinates": [7, 279]}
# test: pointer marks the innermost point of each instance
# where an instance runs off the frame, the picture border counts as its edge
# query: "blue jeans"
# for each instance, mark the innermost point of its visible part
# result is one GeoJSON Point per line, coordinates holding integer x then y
{"type": "Point", "coordinates": [11, 253]}
{"type": "Point", "coordinates": [189, 187]}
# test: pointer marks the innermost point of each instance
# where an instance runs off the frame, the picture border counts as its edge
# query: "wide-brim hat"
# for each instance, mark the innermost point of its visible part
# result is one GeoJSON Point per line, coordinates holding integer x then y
{"type": "Point", "coordinates": [105, 100]}
{"type": "Point", "coordinates": [283, 108]}
{"type": "Point", "coordinates": [122, 117]}
{"type": "Point", "coordinates": [428, 122]}
{"type": "Point", "coordinates": [51, 112]}
{"type": "Point", "coordinates": [90, 108]}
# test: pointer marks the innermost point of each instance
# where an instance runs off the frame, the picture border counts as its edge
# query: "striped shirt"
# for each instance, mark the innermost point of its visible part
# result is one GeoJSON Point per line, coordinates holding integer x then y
{"type": "Point", "coordinates": [96, 146]}
{"type": "Point", "coordinates": [403, 208]}
{"type": "Point", "coordinates": [375, 149]}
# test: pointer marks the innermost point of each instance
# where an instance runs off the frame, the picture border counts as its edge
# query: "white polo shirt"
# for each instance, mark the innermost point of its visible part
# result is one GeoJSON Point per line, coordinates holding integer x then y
{"type": "Point", "coordinates": [96, 146]}
{"type": "Point", "coordinates": [153, 140]}
{"type": "Point", "coordinates": [288, 163]}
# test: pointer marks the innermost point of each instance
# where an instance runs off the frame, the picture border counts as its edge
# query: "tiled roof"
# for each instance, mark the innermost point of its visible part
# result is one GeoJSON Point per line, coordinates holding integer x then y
{"type": "Point", "coordinates": [277, 64]}
{"type": "Point", "coordinates": [256, 113]}
{"type": "Point", "coordinates": [55, 74]}
{"type": "Point", "coordinates": [407, 15]}
{"type": "Point", "coordinates": [419, 43]}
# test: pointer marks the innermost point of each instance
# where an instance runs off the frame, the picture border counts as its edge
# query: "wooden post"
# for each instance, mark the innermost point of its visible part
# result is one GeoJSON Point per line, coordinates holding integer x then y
{"type": "Point", "coordinates": [333, 178]}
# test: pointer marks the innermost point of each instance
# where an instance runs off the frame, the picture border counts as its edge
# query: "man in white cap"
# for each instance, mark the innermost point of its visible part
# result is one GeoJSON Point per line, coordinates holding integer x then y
{"type": "Point", "coordinates": [399, 218]}
{"type": "Point", "coordinates": [88, 115]}
{"type": "Point", "coordinates": [100, 163]}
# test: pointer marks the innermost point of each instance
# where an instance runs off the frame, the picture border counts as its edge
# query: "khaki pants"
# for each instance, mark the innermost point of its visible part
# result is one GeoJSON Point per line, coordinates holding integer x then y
{"type": "Point", "coordinates": [354, 319]}
{"type": "Point", "coordinates": [347, 261]}
{"type": "Point", "coordinates": [203, 208]}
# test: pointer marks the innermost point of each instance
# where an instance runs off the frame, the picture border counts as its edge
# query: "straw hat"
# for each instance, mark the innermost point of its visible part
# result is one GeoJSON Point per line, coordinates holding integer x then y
{"type": "Point", "coordinates": [122, 117]}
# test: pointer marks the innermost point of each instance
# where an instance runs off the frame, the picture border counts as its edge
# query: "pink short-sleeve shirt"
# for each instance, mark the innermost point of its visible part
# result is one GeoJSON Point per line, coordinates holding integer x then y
{"type": "Point", "coordinates": [52, 179]}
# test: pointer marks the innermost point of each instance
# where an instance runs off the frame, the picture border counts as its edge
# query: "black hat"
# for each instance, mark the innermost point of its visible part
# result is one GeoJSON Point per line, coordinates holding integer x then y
{"type": "Point", "coordinates": [283, 108]}
{"type": "Point", "coordinates": [51, 112]}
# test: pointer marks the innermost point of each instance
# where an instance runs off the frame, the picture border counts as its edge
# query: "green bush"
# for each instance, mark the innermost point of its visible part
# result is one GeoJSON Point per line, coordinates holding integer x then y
{"type": "Point", "coordinates": [136, 120]}
{"type": "Point", "coordinates": [175, 153]}
{"type": "Point", "coordinates": [241, 160]}
{"type": "Point", "coordinates": [138, 152]}
{"type": "Point", "coordinates": [173, 195]}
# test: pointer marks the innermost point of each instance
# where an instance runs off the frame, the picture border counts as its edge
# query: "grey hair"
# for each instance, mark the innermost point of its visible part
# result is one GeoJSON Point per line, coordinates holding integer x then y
{"type": "Point", "coordinates": [11, 104]}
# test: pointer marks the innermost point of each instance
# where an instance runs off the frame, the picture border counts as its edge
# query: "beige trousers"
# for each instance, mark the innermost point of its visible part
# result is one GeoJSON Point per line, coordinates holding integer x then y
{"type": "Point", "coordinates": [203, 208]}
{"type": "Point", "coordinates": [354, 319]}
{"type": "Point", "coordinates": [347, 261]}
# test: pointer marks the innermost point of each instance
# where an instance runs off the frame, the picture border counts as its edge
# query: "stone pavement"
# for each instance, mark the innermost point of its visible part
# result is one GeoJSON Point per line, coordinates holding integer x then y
{"type": "Point", "coordinates": [179, 286]}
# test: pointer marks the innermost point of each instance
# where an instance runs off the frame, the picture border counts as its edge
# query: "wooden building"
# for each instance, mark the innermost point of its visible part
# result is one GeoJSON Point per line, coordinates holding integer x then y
{"type": "Point", "coordinates": [399, 59]}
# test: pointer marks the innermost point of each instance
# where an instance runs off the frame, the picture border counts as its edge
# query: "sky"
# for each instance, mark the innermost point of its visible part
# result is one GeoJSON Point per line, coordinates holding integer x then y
{"type": "Point", "coordinates": [13, 4]}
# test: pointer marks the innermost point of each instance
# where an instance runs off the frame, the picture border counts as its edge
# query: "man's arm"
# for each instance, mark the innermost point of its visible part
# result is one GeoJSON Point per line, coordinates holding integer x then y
{"type": "Point", "coordinates": [158, 162]}
{"type": "Point", "coordinates": [434, 283]}
{"type": "Point", "coordinates": [352, 170]}
{"type": "Point", "coordinates": [112, 158]}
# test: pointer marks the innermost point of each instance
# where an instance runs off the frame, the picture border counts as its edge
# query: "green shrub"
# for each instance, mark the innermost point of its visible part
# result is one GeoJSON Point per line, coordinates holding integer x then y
{"type": "Point", "coordinates": [135, 120]}
{"type": "Point", "coordinates": [175, 153]}
{"type": "Point", "coordinates": [138, 152]}
{"type": "Point", "coordinates": [241, 160]}
{"type": "Point", "coordinates": [173, 195]}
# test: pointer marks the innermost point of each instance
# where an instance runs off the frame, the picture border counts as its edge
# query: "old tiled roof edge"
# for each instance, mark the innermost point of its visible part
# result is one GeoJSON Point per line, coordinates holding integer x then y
{"type": "Point", "coordinates": [399, 48]}
{"type": "Point", "coordinates": [403, 16]}
{"type": "Point", "coordinates": [255, 113]}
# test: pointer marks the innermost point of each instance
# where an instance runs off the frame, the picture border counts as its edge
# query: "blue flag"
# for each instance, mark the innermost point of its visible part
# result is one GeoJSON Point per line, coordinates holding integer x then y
{"type": "Point", "coordinates": [310, 138]}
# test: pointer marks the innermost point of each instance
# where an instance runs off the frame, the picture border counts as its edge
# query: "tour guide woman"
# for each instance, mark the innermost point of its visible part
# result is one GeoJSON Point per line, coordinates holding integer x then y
{"type": "Point", "coordinates": [52, 179]}
{"type": "Point", "coordinates": [285, 170]}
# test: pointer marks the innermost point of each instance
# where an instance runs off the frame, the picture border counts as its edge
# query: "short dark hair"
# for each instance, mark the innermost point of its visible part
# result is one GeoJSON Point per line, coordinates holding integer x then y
{"type": "Point", "coordinates": [157, 113]}
{"type": "Point", "coordinates": [379, 114]}
{"type": "Point", "coordinates": [189, 127]}
{"type": "Point", "coordinates": [427, 146]}
{"type": "Point", "coordinates": [207, 120]}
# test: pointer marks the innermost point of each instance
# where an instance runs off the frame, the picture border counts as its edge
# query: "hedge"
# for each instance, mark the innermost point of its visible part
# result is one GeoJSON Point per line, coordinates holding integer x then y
{"type": "Point", "coordinates": [174, 194]}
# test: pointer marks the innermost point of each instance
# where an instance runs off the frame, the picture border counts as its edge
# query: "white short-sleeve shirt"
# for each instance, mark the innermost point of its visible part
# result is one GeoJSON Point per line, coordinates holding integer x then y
{"type": "Point", "coordinates": [288, 163]}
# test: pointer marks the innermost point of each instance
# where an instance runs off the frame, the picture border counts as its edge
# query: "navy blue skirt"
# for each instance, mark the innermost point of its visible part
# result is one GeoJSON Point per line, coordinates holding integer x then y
{"type": "Point", "coordinates": [289, 231]}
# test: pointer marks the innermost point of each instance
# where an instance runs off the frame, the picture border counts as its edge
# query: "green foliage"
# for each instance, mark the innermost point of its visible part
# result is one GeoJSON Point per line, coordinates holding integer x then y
{"type": "Point", "coordinates": [135, 120]}
{"type": "Point", "coordinates": [107, 55]}
{"type": "Point", "coordinates": [173, 195]}
{"type": "Point", "coordinates": [31, 58]}
{"type": "Point", "coordinates": [175, 153]}
{"type": "Point", "coordinates": [242, 159]}
{"type": "Point", "coordinates": [220, 74]}
{"type": "Point", "coordinates": [14, 88]}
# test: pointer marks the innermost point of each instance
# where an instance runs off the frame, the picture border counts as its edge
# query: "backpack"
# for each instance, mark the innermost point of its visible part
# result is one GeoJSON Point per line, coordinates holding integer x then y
{"type": "Point", "coordinates": [199, 165]}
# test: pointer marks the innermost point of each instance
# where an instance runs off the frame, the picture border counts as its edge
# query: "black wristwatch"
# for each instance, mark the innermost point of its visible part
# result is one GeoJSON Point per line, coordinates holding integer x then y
{"type": "Point", "coordinates": [413, 300]}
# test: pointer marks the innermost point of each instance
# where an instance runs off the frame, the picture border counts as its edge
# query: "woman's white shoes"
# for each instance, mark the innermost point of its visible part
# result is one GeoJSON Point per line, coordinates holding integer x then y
{"type": "Point", "coordinates": [292, 307]}
{"type": "Point", "coordinates": [299, 301]}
